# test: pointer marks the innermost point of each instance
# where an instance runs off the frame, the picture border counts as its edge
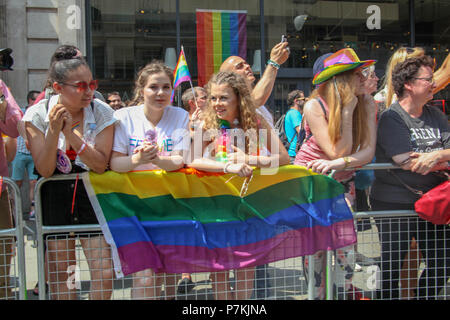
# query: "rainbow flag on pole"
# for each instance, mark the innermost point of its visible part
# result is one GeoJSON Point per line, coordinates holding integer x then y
{"type": "Point", "coordinates": [220, 34]}
{"type": "Point", "coordinates": [192, 221]}
{"type": "Point", "coordinates": [181, 73]}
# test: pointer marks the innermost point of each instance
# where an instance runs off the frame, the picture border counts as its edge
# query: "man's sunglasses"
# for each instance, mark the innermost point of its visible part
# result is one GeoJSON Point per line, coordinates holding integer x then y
{"type": "Point", "coordinates": [83, 85]}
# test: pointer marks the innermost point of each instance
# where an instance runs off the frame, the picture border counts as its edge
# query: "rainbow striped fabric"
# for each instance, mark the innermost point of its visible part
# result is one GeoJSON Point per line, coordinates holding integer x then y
{"type": "Point", "coordinates": [220, 34]}
{"type": "Point", "coordinates": [192, 221]}
{"type": "Point", "coordinates": [181, 72]}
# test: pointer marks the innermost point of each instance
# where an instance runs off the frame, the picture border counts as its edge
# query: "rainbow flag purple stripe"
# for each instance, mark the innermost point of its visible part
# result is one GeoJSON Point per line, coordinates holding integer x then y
{"type": "Point", "coordinates": [189, 221]}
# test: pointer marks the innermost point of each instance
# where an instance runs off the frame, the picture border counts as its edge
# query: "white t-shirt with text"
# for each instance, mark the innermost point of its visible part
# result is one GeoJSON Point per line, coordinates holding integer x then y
{"type": "Point", "coordinates": [172, 131]}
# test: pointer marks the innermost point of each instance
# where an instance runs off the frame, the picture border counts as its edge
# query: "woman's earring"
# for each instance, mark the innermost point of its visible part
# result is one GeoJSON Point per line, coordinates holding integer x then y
{"type": "Point", "coordinates": [236, 121]}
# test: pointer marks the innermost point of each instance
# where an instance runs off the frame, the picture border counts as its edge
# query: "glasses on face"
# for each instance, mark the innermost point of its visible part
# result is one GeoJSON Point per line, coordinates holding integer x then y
{"type": "Point", "coordinates": [83, 85]}
{"type": "Point", "coordinates": [362, 76]}
{"type": "Point", "coordinates": [430, 80]}
{"type": "Point", "coordinates": [368, 72]}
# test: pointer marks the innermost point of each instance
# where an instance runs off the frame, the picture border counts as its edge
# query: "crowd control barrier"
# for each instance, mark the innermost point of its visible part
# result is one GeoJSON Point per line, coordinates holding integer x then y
{"type": "Point", "coordinates": [284, 279]}
{"type": "Point", "coordinates": [13, 275]}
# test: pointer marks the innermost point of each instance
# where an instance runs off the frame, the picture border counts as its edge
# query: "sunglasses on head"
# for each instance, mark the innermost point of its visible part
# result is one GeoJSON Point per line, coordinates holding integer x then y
{"type": "Point", "coordinates": [83, 85]}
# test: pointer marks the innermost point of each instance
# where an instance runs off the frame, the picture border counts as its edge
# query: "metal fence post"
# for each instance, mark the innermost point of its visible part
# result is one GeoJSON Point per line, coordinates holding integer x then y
{"type": "Point", "coordinates": [311, 279]}
{"type": "Point", "coordinates": [330, 275]}
{"type": "Point", "coordinates": [40, 238]}
{"type": "Point", "coordinates": [17, 231]}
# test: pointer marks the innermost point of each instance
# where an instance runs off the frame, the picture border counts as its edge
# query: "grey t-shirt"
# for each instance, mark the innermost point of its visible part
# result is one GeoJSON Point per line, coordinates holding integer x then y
{"type": "Point", "coordinates": [399, 133]}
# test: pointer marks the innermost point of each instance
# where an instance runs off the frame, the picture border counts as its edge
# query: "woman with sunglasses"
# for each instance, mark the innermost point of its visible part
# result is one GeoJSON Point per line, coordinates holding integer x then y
{"type": "Point", "coordinates": [70, 133]}
{"type": "Point", "coordinates": [151, 135]}
{"type": "Point", "coordinates": [340, 134]}
{"type": "Point", "coordinates": [64, 52]}
{"type": "Point", "coordinates": [416, 137]}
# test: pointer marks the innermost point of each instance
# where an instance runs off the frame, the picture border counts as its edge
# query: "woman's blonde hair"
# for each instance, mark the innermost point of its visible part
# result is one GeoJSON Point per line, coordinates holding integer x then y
{"type": "Point", "coordinates": [153, 67]}
{"type": "Point", "coordinates": [336, 100]}
{"type": "Point", "coordinates": [248, 118]}
{"type": "Point", "coordinates": [399, 56]}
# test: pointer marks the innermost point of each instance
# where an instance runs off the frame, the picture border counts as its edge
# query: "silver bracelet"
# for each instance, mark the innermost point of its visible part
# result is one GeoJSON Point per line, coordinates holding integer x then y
{"type": "Point", "coordinates": [226, 166]}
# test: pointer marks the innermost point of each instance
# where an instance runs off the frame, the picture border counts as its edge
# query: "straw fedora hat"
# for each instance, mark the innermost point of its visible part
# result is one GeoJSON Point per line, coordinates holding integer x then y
{"type": "Point", "coordinates": [329, 65]}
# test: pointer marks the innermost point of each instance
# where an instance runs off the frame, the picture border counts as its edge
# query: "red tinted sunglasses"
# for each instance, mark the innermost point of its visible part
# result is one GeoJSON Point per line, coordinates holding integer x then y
{"type": "Point", "coordinates": [83, 85]}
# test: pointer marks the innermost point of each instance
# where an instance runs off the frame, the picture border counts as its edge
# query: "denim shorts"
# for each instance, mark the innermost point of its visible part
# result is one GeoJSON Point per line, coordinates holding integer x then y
{"type": "Point", "coordinates": [21, 162]}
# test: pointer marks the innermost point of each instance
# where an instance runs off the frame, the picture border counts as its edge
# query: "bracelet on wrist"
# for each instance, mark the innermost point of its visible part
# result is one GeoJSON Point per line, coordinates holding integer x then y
{"type": "Point", "coordinates": [273, 64]}
{"type": "Point", "coordinates": [404, 162]}
{"type": "Point", "coordinates": [347, 162]}
{"type": "Point", "coordinates": [83, 147]}
{"type": "Point", "coordinates": [225, 168]}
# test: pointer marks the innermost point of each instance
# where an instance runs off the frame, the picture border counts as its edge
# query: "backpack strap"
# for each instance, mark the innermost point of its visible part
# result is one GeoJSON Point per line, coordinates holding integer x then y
{"type": "Point", "coordinates": [323, 108]}
{"type": "Point", "coordinates": [47, 104]}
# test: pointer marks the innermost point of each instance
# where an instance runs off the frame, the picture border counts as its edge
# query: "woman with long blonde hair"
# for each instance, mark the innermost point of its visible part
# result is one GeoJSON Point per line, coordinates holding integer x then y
{"type": "Point", "coordinates": [339, 121]}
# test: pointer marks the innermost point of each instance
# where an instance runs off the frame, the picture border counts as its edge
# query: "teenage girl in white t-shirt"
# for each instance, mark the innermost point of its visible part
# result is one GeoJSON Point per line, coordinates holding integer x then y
{"type": "Point", "coordinates": [150, 135]}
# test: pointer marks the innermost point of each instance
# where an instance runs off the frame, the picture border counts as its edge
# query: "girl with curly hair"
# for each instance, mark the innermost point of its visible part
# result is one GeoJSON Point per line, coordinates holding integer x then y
{"type": "Point", "coordinates": [231, 124]}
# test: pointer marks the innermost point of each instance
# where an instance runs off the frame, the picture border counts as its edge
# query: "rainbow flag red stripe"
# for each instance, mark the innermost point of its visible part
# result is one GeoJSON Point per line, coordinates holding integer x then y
{"type": "Point", "coordinates": [220, 34]}
{"type": "Point", "coordinates": [189, 221]}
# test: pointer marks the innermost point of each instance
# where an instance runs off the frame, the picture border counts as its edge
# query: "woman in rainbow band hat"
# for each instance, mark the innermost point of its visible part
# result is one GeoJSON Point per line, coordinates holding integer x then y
{"type": "Point", "coordinates": [340, 134]}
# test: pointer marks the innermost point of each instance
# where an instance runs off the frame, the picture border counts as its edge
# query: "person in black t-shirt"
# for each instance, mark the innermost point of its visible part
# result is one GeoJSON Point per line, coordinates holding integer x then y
{"type": "Point", "coordinates": [417, 138]}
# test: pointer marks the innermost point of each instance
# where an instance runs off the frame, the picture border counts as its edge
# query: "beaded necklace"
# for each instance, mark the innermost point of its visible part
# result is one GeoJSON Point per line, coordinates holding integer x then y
{"type": "Point", "coordinates": [221, 152]}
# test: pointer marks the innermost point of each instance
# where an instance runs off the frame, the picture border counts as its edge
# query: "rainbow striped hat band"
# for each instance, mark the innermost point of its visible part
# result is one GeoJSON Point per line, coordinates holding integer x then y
{"type": "Point", "coordinates": [338, 62]}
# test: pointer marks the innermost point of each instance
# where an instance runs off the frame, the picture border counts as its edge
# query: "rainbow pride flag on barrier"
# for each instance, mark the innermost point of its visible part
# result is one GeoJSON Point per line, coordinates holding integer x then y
{"type": "Point", "coordinates": [192, 221]}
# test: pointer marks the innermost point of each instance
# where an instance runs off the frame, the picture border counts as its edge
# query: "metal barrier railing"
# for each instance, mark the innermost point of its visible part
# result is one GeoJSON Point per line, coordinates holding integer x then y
{"type": "Point", "coordinates": [17, 232]}
{"type": "Point", "coordinates": [42, 230]}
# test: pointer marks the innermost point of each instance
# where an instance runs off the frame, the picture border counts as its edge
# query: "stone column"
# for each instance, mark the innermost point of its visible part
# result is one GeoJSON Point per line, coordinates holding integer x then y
{"type": "Point", "coordinates": [16, 39]}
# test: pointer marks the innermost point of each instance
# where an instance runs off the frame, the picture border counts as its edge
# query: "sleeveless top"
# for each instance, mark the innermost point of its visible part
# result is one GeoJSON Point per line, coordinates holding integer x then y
{"type": "Point", "coordinates": [310, 150]}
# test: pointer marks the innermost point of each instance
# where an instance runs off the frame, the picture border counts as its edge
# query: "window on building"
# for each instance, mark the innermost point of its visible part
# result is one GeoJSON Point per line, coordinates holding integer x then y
{"type": "Point", "coordinates": [433, 34]}
{"type": "Point", "coordinates": [315, 27]}
{"type": "Point", "coordinates": [126, 35]}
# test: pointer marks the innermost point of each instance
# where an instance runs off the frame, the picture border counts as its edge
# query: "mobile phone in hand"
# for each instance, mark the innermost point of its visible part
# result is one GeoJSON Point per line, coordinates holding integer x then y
{"type": "Point", "coordinates": [284, 39]}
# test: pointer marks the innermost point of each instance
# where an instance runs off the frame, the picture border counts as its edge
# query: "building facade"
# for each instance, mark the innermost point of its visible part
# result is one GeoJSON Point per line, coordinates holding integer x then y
{"type": "Point", "coordinates": [119, 37]}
